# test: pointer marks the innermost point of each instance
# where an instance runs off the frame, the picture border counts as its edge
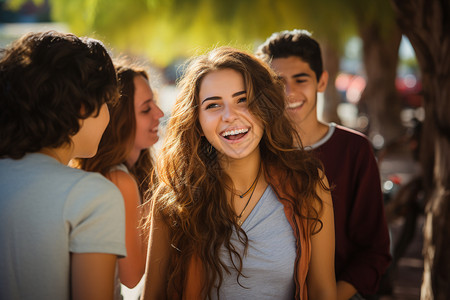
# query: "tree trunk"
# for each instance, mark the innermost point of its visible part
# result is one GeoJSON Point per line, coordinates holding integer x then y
{"type": "Point", "coordinates": [380, 98]}
{"type": "Point", "coordinates": [332, 98]}
{"type": "Point", "coordinates": [426, 23]}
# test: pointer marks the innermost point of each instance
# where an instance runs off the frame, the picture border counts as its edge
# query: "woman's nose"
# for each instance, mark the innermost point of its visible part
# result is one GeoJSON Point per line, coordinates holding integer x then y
{"type": "Point", "coordinates": [157, 112]}
{"type": "Point", "coordinates": [229, 113]}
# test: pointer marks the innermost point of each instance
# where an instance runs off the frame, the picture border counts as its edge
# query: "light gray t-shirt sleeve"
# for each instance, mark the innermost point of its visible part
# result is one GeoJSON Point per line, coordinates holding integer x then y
{"type": "Point", "coordinates": [95, 217]}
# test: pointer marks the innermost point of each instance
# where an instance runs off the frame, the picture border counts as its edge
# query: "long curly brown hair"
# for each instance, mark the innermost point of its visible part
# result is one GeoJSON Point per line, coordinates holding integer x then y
{"type": "Point", "coordinates": [191, 192]}
{"type": "Point", "coordinates": [118, 139]}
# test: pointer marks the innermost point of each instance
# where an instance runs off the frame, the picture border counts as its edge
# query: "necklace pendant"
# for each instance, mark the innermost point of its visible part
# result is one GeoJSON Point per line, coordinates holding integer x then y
{"type": "Point", "coordinates": [252, 189]}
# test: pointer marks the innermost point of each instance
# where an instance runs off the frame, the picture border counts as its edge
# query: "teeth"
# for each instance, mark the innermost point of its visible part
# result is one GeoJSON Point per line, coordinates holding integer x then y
{"type": "Point", "coordinates": [234, 132]}
{"type": "Point", "coordinates": [295, 104]}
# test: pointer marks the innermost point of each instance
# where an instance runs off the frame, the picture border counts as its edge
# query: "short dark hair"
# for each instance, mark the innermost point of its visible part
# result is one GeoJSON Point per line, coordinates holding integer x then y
{"type": "Point", "coordinates": [293, 43]}
{"type": "Point", "coordinates": [49, 81]}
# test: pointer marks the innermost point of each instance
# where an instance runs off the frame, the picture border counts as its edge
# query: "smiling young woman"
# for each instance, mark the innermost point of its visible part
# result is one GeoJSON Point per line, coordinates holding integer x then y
{"type": "Point", "coordinates": [124, 157]}
{"type": "Point", "coordinates": [235, 199]}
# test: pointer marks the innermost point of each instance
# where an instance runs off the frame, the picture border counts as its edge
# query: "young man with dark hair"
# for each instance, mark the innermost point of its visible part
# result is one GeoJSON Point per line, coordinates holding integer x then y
{"type": "Point", "coordinates": [61, 229]}
{"type": "Point", "coordinates": [362, 238]}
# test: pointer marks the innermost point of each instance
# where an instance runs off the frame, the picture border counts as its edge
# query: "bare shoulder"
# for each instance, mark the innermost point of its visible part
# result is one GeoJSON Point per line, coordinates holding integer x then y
{"type": "Point", "coordinates": [122, 179]}
{"type": "Point", "coordinates": [127, 186]}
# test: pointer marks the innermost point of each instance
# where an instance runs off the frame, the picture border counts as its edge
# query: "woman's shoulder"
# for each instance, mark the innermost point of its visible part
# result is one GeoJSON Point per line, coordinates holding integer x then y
{"type": "Point", "coordinates": [119, 167]}
{"type": "Point", "coordinates": [125, 182]}
{"type": "Point", "coordinates": [120, 175]}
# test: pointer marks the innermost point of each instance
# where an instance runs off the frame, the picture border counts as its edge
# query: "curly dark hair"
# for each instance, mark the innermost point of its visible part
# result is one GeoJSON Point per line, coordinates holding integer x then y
{"type": "Point", "coordinates": [190, 176]}
{"type": "Point", "coordinates": [293, 43]}
{"type": "Point", "coordinates": [49, 81]}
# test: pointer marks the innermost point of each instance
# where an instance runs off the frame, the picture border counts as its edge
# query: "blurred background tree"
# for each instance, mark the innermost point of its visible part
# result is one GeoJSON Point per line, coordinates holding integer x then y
{"type": "Point", "coordinates": [427, 25]}
{"type": "Point", "coordinates": [380, 37]}
{"type": "Point", "coordinates": [165, 30]}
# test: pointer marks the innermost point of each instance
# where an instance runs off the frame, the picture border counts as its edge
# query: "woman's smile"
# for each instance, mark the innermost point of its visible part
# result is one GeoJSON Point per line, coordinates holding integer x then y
{"type": "Point", "coordinates": [235, 134]}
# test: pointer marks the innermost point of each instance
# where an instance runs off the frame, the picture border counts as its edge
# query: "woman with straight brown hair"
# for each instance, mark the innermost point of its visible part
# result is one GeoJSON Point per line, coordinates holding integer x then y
{"type": "Point", "coordinates": [124, 157]}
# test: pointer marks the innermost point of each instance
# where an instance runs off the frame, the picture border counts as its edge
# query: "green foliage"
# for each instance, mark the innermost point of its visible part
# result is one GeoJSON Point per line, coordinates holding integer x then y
{"type": "Point", "coordinates": [17, 4]}
{"type": "Point", "coordinates": [163, 30]}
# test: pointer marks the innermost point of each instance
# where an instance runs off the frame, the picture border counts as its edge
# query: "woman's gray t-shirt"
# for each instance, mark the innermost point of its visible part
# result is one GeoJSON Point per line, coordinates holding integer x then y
{"type": "Point", "coordinates": [269, 263]}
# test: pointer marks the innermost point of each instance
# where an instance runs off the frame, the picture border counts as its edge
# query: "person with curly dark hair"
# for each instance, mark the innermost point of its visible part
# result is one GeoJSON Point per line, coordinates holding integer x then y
{"type": "Point", "coordinates": [362, 237]}
{"type": "Point", "coordinates": [62, 229]}
{"type": "Point", "coordinates": [124, 157]}
{"type": "Point", "coordinates": [239, 212]}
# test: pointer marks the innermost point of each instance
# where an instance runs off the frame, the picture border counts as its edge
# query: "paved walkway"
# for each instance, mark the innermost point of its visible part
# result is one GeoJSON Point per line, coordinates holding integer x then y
{"type": "Point", "coordinates": [407, 278]}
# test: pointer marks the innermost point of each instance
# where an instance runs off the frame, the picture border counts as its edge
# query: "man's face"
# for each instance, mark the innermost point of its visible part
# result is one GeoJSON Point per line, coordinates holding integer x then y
{"type": "Point", "coordinates": [301, 87]}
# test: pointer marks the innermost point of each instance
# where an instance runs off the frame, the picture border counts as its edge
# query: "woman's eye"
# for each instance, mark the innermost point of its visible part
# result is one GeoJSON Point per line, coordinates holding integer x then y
{"type": "Point", "coordinates": [146, 110]}
{"type": "Point", "coordinates": [243, 99]}
{"type": "Point", "coordinates": [212, 105]}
